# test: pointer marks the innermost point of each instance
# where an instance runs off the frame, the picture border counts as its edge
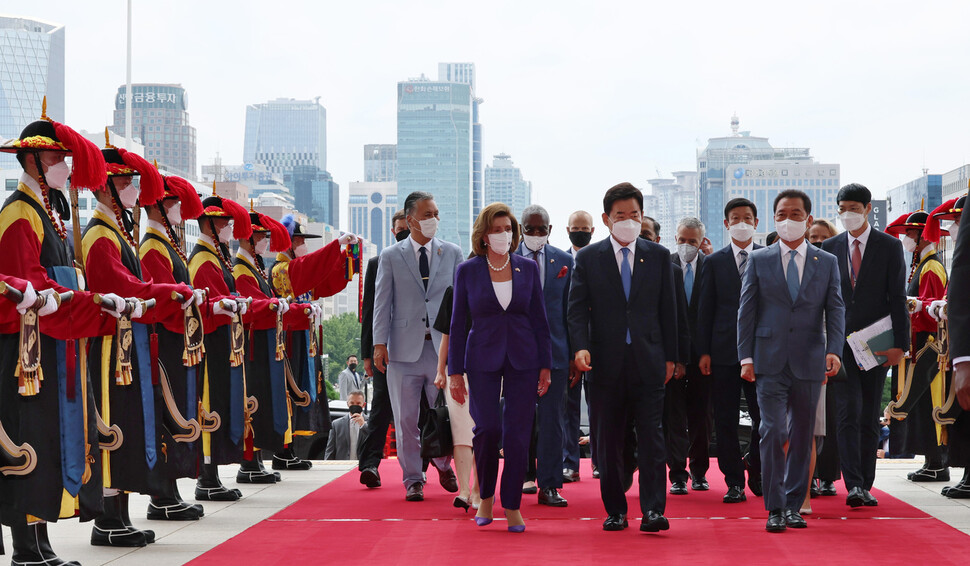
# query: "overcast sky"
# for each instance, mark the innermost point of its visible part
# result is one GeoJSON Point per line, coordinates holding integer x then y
{"type": "Point", "coordinates": [582, 94]}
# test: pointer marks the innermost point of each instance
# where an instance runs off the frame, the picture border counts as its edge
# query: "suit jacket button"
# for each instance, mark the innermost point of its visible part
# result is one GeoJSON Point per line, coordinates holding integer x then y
{"type": "Point", "coordinates": [427, 300]}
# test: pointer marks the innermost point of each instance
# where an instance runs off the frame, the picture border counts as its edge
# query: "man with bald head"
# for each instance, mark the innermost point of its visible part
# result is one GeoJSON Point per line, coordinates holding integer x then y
{"type": "Point", "coordinates": [580, 229]}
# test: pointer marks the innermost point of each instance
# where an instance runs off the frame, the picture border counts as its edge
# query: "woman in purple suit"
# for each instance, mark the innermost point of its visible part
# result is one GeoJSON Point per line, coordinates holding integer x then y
{"type": "Point", "coordinates": [506, 352]}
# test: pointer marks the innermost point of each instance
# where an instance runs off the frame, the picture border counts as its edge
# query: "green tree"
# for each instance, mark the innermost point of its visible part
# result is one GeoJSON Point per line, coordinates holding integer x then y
{"type": "Point", "coordinates": [341, 338]}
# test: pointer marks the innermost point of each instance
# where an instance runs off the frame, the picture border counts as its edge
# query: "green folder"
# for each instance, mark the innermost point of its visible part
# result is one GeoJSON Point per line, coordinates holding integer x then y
{"type": "Point", "coordinates": [880, 343]}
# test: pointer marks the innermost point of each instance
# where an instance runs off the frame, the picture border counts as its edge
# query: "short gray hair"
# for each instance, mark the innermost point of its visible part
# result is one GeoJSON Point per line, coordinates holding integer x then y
{"type": "Point", "coordinates": [693, 223]}
{"type": "Point", "coordinates": [413, 199]}
{"type": "Point", "coordinates": [536, 209]}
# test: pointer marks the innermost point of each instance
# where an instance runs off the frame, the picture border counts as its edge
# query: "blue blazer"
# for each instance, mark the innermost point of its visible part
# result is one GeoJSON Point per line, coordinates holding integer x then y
{"type": "Point", "coordinates": [555, 292]}
{"type": "Point", "coordinates": [776, 331]}
{"type": "Point", "coordinates": [519, 333]}
{"type": "Point", "coordinates": [717, 307]}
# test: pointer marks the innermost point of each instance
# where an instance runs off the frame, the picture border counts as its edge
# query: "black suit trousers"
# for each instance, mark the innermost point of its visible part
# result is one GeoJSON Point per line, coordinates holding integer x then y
{"type": "Point", "coordinates": [827, 465]}
{"type": "Point", "coordinates": [687, 424]}
{"type": "Point", "coordinates": [859, 398]}
{"type": "Point", "coordinates": [728, 387]}
{"type": "Point", "coordinates": [370, 445]}
{"type": "Point", "coordinates": [615, 401]}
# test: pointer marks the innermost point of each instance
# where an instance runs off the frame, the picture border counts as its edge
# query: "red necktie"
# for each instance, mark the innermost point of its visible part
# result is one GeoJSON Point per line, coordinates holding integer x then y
{"type": "Point", "coordinates": [856, 261]}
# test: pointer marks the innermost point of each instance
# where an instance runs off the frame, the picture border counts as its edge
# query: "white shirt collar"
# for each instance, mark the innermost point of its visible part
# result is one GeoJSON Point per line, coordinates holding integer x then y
{"type": "Point", "coordinates": [930, 249]}
{"type": "Point", "coordinates": [863, 237]}
{"type": "Point", "coordinates": [208, 240]}
{"type": "Point", "coordinates": [33, 185]}
{"type": "Point", "coordinates": [416, 246]}
{"type": "Point", "coordinates": [802, 249]}
{"type": "Point", "coordinates": [157, 226]}
{"type": "Point", "coordinates": [108, 213]}
{"type": "Point", "coordinates": [632, 246]}
{"type": "Point", "coordinates": [245, 255]}
{"type": "Point", "coordinates": [738, 250]}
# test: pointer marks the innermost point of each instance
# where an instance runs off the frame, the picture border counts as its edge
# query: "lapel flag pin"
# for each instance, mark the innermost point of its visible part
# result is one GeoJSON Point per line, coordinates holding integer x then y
{"type": "Point", "coordinates": [516, 268]}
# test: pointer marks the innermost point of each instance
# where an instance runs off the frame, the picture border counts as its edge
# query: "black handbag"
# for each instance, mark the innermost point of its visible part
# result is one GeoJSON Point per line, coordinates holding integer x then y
{"type": "Point", "coordinates": [436, 440]}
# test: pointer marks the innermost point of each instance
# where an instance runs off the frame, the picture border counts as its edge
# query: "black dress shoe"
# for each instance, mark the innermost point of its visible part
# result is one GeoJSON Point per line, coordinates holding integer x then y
{"type": "Point", "coordinates": [550, 496]}
{"type": "Point", "coordinates": [735, 494]}
{"type": "Point", "coordinates": [172, 511]}
{"type": "Point", "coordinates": [616, 522]}
{"type": "Point", "coordinates": [654, 522]}
{"type": "Point", "coordinates": [415, 492]}
{"type": "Point", "coordinates": [255, 476]}
{"type": "Point", "coordinates": [856, 498]}
{"type": "Point", "coordinates": [700, 484]}
{"type": "Point", "coordinates": [814, 491]}
{"type": "Point", "coordinates": [530, 488]}
{"type": "Point", "coordinates": [776, 522]}
{"type": "Point", "coordinates": [827, 488]}
{"type": "Point", "coordinates": [370, 477]}
{"type": "Point", "coordinates": [868, 499]}
{"type": "Point", "coordinates": [678, 488]}
{"type": "Point", "coordinates": [569, 476]}
{"type": "Point", "coordinates": [216, 493]}
{"type": "Point", "coordinates": [794, 519]}
{"type": "Point", "coordinates": [448, 480]}
{"type": "Point", "coordinates": [928, 475]}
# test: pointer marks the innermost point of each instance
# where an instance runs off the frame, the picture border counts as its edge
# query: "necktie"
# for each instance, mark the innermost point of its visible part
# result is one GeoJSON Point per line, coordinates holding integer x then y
{"type": "Point", "coordinates": [537, 257]}
{"type": "Point", "coordinates": [689, 281]}
{"type": "Point", "coordinates": [626, 277]}
{"type": "Point", "coordinates": [744, 262]}
{"type": "Point", "coordinates": [423, 266]}
{"type": "Point", "coordinates": [792, 276]}
{"type": "Point", "coordinates": [856, 261]}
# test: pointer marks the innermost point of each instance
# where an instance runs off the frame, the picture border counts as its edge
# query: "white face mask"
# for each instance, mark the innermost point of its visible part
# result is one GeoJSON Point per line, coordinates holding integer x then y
{"type": "Point", "coordinates": [128, 196]}
{"type": "Point", "coordinates": [909, 244]}
{"type": "Point", "coordinates": [626, 230]}
{"type": "Point", "coordinates": [742, 231]}
{"type": "Point", "coordinates": [175, 214]}
{"type": "Point", "coordinates": [500, 242]}
{"type": "Point", "coordinates": [262, 246]}
{"type": "Point", "coordinates": [852, 220]}
{"type": "Point", "coordinates": [57, 174]}
{"type": "Point", "coordinates": [687, 252]}
{"type": "Point", "coordinates": [225, 235]}
{"type": "Point", "coordinates": [953, 229]}
{"type": "Point", "coordinates": [300, 250]}
{"type": "Point", "coordinates": [429, 227]}
{"type": "Point", "coordinates": [535, 243]}
{"type": "Point", "coordinates": [790, 230]}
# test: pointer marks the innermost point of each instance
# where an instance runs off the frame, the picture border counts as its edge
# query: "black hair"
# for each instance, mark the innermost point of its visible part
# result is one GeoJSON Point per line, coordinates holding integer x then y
{"type": "Point", "coordinates": [412, 200]}
{"type": "Point", "coordinates": [771, 238]}
{"type": "Point", "coordinates": [739, 202]}
{"type": "Point", "coordinates": [656, 225]}
{"type": "Point", "coordinates": [793, 193]}
{"type": "Point", "coordinates": [352, 356]}
{"type": "Point", "coordinates": [623, 191]}
{"type": "Point", "coordinates": [854, 192]}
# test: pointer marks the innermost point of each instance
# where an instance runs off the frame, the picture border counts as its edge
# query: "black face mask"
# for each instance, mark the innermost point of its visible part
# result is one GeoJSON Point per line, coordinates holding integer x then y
{"type": "Point", "coordinates": [580, 239]}
{"type": "Point", "coordinates": [353, 367]}
{"type": "Point", "coordinates": [402, 235]}
{"type": "Point", "coordinates": [817, 244]}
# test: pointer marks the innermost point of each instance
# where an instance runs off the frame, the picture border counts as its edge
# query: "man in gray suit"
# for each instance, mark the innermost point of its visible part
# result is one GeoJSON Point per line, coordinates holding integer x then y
{"type": "Point", "coordinates": [342, 444]}
{"type": "Point", "coordinates": [790, 335]}
{"type": "Point", "coordinates": [411, 279]}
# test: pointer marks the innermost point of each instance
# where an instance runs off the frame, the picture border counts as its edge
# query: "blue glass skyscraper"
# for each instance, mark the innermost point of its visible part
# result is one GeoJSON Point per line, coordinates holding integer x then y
{"type": "Point", "coordinates": [434, 150]}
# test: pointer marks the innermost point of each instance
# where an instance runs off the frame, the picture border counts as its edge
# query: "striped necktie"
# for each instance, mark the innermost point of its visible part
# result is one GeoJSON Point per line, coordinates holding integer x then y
{"type": "Point", "coordinates": [744, 262]}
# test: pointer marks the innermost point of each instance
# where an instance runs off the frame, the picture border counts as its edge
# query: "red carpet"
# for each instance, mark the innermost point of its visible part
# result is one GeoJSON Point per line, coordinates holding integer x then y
{"type": "Point", "coordinates": [344, 521]}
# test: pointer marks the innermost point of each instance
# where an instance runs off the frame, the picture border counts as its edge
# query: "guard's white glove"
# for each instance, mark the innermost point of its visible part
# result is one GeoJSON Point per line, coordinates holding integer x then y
{"type": "Point", "coordinates": [347, 238]}
{"type": "Point", "coordinates": [917, 304]}
{"type": "Point", "coordinates": [139, 310]}
{"type": "Point", "coordinates": [936, 310]}
{"type": "Point", "coordinates": [282, 307]}
{"type": "Point", "coordinates": [243, 308]}
{"type": "Point", "coordinates": [224, 306]}
{"type": "Point", "coordinates": [198, 296]}
{"type": "Point", "coordinates": [30, 297]}
{"type": "Point", "coordinates": [119, 305]}
{"type": "Point", "coordinates": [317, 313]}
{"type": "Point", "coordinates": [50, 305]}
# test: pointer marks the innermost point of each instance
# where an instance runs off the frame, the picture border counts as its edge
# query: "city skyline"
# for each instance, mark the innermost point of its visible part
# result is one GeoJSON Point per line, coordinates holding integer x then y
{"type": "Point", "coordinates": [867, 94]}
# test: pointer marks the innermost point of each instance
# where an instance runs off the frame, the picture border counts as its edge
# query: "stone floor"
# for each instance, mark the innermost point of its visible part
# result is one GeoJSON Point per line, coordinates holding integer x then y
{"type": "Point", "coordinates": [179, 542]}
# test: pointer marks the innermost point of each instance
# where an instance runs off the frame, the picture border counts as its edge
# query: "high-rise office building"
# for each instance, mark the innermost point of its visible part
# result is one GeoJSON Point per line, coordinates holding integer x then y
{"type": "Point", "coordinates": [284, 134]}
{"type": "Point", "coordinates": [673, 199]}
{"type": "Point", "coordinates": [504, 183]}
{"type": "Point", "coordinates": [925, 191]}
{"type": "Point", "coordinates": [380, 163]}
{"type": "Point", "coordinates": [434, 150]}
{"type": "Point", "coordinates": [160, 120]}
{"type": "Point", "coordinates": [741, 165]}
{"type": "Point", "coordinates": [31, 67]}
{"type": "Point", "coordinates": [372, 204]}
{"type": "Point", "coordinates": [315, 193]}
{"type": "Point", "coordinates": [464, 73]}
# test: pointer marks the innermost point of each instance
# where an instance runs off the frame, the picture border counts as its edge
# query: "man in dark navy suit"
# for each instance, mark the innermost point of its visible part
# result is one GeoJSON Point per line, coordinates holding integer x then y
{"type": "Point", "coordinates": [623, 322]}
{"type": "Point", "coordinates": [873, 287]}
{"type": "Point", "coordinates": [555, 272]}
{"type": "Point", "coordinates": [687, 406]}
{"type": "Point", "coordinates": [717, 346]}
